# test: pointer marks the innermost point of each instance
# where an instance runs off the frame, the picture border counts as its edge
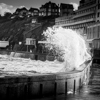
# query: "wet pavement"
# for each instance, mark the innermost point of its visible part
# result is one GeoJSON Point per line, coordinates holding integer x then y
{"type": "Point", "coordinates": [88, 92]}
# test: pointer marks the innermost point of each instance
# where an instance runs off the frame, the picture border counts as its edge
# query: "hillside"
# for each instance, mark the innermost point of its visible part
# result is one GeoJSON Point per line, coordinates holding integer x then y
{"type": "Point", "coordinates": [17, 30]}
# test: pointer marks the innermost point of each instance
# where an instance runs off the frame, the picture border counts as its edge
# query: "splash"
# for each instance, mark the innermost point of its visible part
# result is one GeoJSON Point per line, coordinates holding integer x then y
{"type": "Point", "coordinates": [68, 45]}
{"type": "Point", "coordinates": [70, 51]}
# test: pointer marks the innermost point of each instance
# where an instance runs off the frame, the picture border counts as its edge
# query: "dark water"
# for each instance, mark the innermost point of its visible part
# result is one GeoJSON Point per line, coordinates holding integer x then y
{"type": "Point", "coordinates": [88, 92]}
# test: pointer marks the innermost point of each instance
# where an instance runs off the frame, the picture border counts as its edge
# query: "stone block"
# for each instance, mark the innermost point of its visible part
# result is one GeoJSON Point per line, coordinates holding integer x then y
{"type": "Point", "coordinates": [48, 88]}
{"type": "Point", "coordinates": [70, 85]}
{"type": "Point", "coordinates": [34, 89]}
{"type": "Point", "coordinates": [3, 91]}
{"type": "Point", "coordinates": [42, 57]}
{"type": "Point", "coordinates": [60, 86]}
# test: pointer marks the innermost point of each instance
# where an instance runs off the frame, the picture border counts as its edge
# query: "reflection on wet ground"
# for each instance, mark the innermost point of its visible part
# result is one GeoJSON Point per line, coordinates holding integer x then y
{"type": "Point", "coordinates": [88, 92]}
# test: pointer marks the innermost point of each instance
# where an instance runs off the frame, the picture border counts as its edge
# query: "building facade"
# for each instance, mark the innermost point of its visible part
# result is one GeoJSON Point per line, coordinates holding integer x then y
{"type": "Point", "coordinates": [66, 9]}
{"type": "Point", "coordinates": [49, 9]}
{"type": "Point", "coordinates": [98, 11]}
{"type": "Point", "coordinates": [21, 11]}
{"type": "Point", "coordinates": [33, 12]}
{"type": "Point", "coordinates": [87, 14]}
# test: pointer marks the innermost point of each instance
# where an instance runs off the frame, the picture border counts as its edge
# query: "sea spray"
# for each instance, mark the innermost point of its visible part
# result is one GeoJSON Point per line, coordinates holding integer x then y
{"type": "Point", "coordinates": [69, 49]}
{"type": "Point", "coordinates": [69, 45]}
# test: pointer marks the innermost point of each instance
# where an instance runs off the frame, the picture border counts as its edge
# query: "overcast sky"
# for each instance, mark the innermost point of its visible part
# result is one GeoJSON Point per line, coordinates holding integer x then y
{"type": "Point", "coordinates": [11, 5]}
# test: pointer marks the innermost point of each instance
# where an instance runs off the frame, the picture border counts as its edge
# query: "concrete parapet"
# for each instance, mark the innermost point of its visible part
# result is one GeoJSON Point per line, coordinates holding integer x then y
{"type": "Point", "coordinates": [4, 52]}
{"type": "Point", "coordinates": [38, 85]}
{"type": "Point", "coordinates": [50, 58]}
{"type": "Point", "coordinates": [32, 56]}
{"type": "Point", "coordinates": [22, 55]}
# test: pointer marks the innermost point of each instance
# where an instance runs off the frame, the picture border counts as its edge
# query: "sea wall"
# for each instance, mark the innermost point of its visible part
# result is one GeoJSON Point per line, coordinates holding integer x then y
{"type": "Point", "coordinates": [35, 85]}
{"type": "Point", "coordinates": [32, 56]}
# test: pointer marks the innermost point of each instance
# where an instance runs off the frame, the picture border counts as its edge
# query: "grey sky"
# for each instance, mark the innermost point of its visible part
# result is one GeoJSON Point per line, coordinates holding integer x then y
{"type": "Point", "coordinates": [34, 3]}
{"type": "Point", "coordinates": [11, 5]}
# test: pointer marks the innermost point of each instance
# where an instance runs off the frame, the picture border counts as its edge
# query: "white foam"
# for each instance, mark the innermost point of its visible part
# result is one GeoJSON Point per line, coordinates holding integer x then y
{"type": "Point", "coordinates": [67, 44]}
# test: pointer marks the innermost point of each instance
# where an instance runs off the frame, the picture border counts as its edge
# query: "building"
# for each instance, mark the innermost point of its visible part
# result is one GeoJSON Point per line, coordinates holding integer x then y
{"type": "Point", "coordinates": [21, 11]}
{"type": "Point", "coordinates": [66, 9]}
{"type": "Point", "coordinates": [93, 33]}
{"type": "Point", "coordinates": [33, 12]}
{"type": "Point", "coordinates": [63, 20]}
{"type": "Point", "coordinates": [87, 14]}
{"type": "Point", "coordinates": [49, 9]}
{"type": "Point", "coordinates": [98, 11]}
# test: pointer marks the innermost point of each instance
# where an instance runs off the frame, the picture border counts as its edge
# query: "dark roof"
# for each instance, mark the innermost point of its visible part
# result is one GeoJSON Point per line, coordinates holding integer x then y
{"type": "Point", "coordinates": [47, 5]}
{"type": "Point", "coordinates": [32, 9]}
{"type": "Point", "coordinates": [63, 5]}
{"type": "Point", "coordinates": [20, 9]}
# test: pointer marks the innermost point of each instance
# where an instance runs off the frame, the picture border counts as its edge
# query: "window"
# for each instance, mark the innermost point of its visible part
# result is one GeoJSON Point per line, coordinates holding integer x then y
{"type": "Point", "coordinates": [98, 15]}
{"type": "Point", "coordinates": [52, 10]}
{"type": "Point", "coordinates": [49, 6]}
{"type": "Point", "coordinates": [56, 10]}
{"type": "Point", "coordinates": [49, 10]}
{"type": "Point", "coordinates": [98, 6]}
{"type": "Point", "coordinates": [98, 1]}
{"type": "Point", "coordinates": [49, 13]}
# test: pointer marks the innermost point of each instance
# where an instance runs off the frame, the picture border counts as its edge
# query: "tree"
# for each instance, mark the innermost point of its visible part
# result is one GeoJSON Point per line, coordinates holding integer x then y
{"type": "Point", "coordinates": [7, 15]}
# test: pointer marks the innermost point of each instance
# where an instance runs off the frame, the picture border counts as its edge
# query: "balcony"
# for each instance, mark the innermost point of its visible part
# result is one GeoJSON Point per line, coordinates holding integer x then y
{"type": "Point", "coordinates": [84, 14]}
{"type": "Point", "coordinates": [86, 7]}
{"type": "Point", "coordinates": [75, 23]}
{"type": "Point", "coordinates": [63, 18]}
{"type": "Point", "coordinates": [87, 4]}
